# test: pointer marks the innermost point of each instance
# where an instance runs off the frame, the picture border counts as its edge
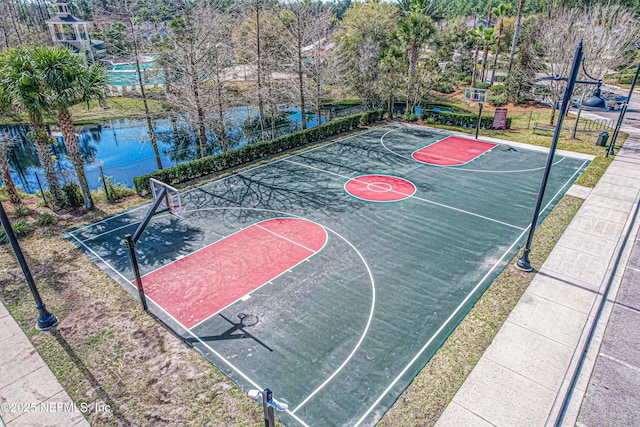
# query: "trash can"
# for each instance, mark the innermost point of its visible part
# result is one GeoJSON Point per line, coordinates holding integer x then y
{"type": "Point", "coordinates": [602, 139]}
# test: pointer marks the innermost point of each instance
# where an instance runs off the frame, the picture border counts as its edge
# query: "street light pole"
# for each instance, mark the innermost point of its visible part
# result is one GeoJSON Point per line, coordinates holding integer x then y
{"type": "Point", "coordinates": [523, 262]}
{"type": "Point", "coordinates": [622, 112]}
{"type": "Point", "coordinates": [46, 320]}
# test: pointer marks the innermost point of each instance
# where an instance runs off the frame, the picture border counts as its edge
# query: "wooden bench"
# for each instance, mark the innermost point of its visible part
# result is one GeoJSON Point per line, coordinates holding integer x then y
{"type": "Point", "coordinates": [543, 127]}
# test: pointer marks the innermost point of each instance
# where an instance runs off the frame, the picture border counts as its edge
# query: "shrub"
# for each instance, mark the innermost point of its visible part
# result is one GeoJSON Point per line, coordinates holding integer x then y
{"type": "Point", "coordinates": [483, 85]}
{"type": "Point", "coordinates": [44, 218]}
{"type": "Point", "coordinates": [22, 210]}
{"type": "Point", "coordinates": [497, 100]}
{"type": "Point", "coordinates": [114, 190]}
{"type": "Point", "coordinates": [496, 89]}
{"type": "Point", "coordinates": [464, 79]}
{"type": "Point", "coordinates": [444, 87]}
{"type": "Point", "coordinates": [411, 117]}
{"type": "Point", "coordinates": [254, 151]}
{"type": "Point", "coordinates": [20, 228]}
{"type": "Point", "coordinates": [461, 120]}
{"type": "Point", "coordinates": [72, 194]}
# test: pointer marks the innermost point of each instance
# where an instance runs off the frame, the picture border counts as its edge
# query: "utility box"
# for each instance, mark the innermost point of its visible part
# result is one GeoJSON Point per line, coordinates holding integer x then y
{"type": "Point", "coordinates": [602, 139]}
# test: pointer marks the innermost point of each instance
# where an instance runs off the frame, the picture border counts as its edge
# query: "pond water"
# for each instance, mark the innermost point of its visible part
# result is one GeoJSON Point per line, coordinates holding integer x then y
{"type": "Point", "coordinates": [122, 148]}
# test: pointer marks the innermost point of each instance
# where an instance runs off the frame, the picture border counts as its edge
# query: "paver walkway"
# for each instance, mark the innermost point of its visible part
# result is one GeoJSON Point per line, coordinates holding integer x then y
{"type": "Point", "coordinates": [531, 366]}
{"type": "Point", "coordinates": [30, 395]}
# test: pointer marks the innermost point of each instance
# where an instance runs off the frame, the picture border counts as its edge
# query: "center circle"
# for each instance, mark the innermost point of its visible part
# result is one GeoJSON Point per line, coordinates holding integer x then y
{"type": "Point", "coordinates": [380, 188]}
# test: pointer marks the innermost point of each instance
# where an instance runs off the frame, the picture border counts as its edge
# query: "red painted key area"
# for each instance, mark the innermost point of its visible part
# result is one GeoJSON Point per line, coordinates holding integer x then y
{"type": "Point", "coordinates": [201, 284]}
{"type": "Point", "coordinates": [452, 151]}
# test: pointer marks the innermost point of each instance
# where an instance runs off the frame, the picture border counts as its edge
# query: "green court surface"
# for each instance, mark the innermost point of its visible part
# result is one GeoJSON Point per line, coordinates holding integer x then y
{"type": "Point", "coordinates": [338, 313]}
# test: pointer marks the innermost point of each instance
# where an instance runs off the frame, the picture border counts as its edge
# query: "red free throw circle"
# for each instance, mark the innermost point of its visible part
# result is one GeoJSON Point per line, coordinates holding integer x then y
{"type": "Point", "coordinates": [380, 188]}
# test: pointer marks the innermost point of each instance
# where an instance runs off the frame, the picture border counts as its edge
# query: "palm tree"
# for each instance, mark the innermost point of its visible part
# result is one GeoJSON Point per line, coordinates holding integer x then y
{"type": "Point", "coordinates": [413, 33]}
{"type": "Point", "coordinates": [20, 79]}
{"type": "Point", "coordinates": [487, 39]}
{"type": "Point", "coordinates": [10, 187]}
{"type": "Point", "coordinates": [516, 32]}
{"type": "Point", "coordinates": [67, 82]}
{"type": "Point", "coordinates": [476, 37]}
{"type": "Point", "coordinates": [500, 12]}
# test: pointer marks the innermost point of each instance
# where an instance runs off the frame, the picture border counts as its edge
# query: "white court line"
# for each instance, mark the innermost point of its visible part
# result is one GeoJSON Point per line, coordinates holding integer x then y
{"type": "Point", "coordinates": [364, 333]}
{"type": "Point", "coordinates": [458, 168]}
{"type": "Point", "coordinates": [124, 226]}
{"type": "Point", "coordinates": [344, 363]}
{"type": "Point", "coordinates": [288, 240]}
{"type": "Point", "coordinates": [406, 368]}
{"type": "Point", "coordinates": [273, 278]}
{"type": "Point", "coordinates": [218, 355]}
{"type": "Point", "coordinates": [493, 144]}
{"type": "Point", "coordinates": [413, 196]}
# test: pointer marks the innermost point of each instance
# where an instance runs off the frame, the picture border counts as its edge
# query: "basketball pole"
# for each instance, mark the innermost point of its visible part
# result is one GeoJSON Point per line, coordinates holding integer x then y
{"type": "Point", "coordinates": [46, 320]}
{"type": "Point", "coordinates": [130, 242]}
{"type": "Point", "coordinates": [479, 118]}
{"type": "Point", "coordinates": [523, 262]}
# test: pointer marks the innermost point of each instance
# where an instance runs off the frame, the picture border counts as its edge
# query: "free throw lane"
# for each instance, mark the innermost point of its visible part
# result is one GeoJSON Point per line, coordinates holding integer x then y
{"type": "Point", "coordinates": [452, 151]}
{"type": "Point", "coordinates": [201, 284]}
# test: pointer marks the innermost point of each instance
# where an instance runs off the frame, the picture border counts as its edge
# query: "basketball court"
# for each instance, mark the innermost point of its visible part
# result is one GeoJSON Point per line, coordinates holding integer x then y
{"type": "Point", "coordinates": [331, 276]}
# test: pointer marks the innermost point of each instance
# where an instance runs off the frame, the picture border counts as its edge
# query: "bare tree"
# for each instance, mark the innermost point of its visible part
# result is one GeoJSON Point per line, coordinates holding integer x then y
{"type": "Point", "coordinates": [147, 113]}
{"type": "Point", "coordinates": [296, 18]}
{"type": "Point", "coordinates": [259, 44]}
{"type": "Point", "coordinates": [609, 33]}
{"type": "Point", "coordinates": [317, 68]}
{"type": "Point", "coordinates": [559, 38]}
{"type": "Point", "coordinates": [198, 60]}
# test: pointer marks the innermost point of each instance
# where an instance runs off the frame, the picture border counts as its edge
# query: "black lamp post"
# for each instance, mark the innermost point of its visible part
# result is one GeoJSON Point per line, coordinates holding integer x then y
{"type": "Point", "coordinates": [622, 112]}
{"type": "Point", "coordinates": [46, 320]}
{"type": "Point", "coordinates": [523, 262]}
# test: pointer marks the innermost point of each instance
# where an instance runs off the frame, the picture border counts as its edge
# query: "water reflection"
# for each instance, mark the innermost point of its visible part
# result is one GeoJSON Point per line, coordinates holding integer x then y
{"type": "Point", "coordinates": [122, 148]}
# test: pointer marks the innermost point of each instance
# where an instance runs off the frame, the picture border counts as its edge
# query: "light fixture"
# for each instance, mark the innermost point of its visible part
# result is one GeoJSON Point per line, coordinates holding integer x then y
{"type": "Point", "coordinates": [595, 100]}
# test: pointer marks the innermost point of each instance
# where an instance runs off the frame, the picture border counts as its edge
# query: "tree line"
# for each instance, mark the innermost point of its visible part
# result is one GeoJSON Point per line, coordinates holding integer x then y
{"type": "Point", "coordinates": [215, 54]}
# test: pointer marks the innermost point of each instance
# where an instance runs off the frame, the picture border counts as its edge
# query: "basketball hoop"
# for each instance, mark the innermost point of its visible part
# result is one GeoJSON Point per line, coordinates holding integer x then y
{"type": "Point", "coordinates": [473, 95]}
{"type": "Point", "coordinates": [171, 200]}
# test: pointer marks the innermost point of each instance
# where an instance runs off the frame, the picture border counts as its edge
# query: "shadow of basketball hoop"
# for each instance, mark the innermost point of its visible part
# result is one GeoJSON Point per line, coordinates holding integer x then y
{"type": "Point", "coordinates": [236, 331]}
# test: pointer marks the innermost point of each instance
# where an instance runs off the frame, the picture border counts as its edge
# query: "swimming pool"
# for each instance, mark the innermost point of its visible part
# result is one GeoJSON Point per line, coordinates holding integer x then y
{"type": "Point", "coordinates": [125, 74]}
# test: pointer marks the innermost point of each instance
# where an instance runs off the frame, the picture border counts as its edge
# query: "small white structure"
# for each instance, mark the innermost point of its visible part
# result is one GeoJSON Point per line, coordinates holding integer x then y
{"type": "Point", "coordinates": [70, 31]}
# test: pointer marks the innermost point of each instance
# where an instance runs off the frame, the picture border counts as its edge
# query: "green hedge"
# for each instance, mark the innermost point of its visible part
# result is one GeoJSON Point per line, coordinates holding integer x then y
{"type": "Point", "coordinates": [254, 151]}
{"type": "Point", "coordinates": [461, 120]}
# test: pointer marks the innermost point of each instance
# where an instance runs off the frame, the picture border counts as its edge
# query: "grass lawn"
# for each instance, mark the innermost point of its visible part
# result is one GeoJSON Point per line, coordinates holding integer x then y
{"type": "Point", "coordinates": [116, 108]}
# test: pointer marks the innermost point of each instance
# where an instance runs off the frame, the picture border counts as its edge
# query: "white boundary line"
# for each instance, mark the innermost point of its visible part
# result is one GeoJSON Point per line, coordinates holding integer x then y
{"type": "Point", "coordinates": [413, 196]}
{"type": "Point", "coordinates": [457, 167]}
{"type": "Point", "coordinates": [455, 312]}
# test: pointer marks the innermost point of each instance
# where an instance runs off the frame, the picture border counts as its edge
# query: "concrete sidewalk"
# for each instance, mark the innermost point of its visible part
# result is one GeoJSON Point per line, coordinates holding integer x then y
{"type": "Point", "coordinates": [531, 368]}
{"type": "Point", "coordinates": [30, 395]}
